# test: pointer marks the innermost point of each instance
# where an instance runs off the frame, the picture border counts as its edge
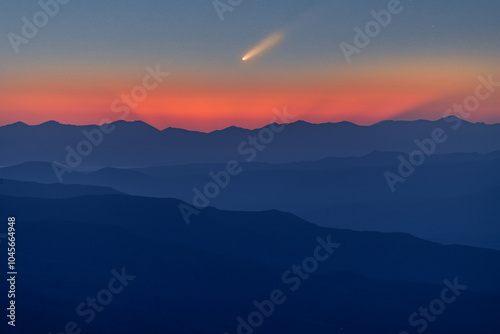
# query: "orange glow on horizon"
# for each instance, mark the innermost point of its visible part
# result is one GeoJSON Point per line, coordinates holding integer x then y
{"type": "Point", "coordinates": [363, 94]}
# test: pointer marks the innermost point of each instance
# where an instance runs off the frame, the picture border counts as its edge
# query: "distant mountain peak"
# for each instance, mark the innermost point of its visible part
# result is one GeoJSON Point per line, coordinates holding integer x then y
{"type": "Point", "coordinates": [17, 124]}
{"type": "Point", "coordinates": [178, 130]}
{"type": "Point", "coordinates": [455, 118]}
{"type": "Point", "coordinates": [341, 123]}
{"type": "Point", "coordinates": [51, 123]}
{"type": "Point", "coordinates": [446, 119]}
{"type": "Point", "coordinates": [346, 123]}
{"type": "Point", "coordinates": [135, 124]}
{"type": "Point", "coordinates": [230, 129]}
{"type": "Point", "coordinates": [301, 122]}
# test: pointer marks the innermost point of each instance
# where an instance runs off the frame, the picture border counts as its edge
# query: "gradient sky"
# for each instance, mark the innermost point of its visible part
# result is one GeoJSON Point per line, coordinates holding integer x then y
{"type": "Point", "coordinates": [92, 52]}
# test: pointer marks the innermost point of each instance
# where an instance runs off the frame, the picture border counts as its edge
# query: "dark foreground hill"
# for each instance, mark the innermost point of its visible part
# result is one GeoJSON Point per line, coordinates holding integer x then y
{"type": "Point", "coordinates": [199, 278]}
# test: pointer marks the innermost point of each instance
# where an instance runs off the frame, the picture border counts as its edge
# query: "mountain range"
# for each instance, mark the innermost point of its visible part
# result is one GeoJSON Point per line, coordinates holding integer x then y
{"type": "Point", "coordinates": [137, 144]}
{"type": "Point", "coordinates": [451, 199]}
{"type": "Point", "coordinates": [309, 223]}
{"type": "Point", "coordinates": [215, 270]}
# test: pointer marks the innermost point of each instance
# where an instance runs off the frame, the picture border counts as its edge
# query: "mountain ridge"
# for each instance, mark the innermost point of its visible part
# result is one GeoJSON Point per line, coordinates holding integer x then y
{"type": "Point", "coordinates": [298, 122]}
{"type": "Point", "coordinates": [138, 144]}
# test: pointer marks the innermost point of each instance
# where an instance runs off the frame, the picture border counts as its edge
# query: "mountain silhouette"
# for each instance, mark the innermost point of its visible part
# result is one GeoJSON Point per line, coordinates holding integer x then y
{"type": "Point", "coordinates": [40, 190]}
{"type": "Point", "coordinates": [215, 268]}
{"type": "Point", "coordinates": [137, 144]}
{"type": "Point", "coordinates": [450, 199]}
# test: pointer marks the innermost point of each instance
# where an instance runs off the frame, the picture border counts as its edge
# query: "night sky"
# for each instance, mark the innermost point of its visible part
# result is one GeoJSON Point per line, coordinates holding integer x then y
{"type": "Point", "coordinates": [428, 57]}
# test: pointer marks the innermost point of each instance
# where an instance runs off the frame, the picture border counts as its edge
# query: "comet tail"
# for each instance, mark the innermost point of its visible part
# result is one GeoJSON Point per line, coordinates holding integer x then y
{"type": "Point", "coordinates": [264, 45]}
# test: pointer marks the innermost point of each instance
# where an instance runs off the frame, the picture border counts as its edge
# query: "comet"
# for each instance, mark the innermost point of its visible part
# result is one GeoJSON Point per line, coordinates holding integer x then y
{"type": "Point", "coordinates": [275, 38]}
{"type": "Point", "coordinates": [264, 45]}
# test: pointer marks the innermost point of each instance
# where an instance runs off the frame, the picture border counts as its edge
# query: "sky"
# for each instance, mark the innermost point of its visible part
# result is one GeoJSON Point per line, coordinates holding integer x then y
{"type": "Point", "coordinates": [426, 58]}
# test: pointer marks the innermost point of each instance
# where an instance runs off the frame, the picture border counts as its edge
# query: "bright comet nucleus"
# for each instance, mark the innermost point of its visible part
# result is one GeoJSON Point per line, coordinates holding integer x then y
{"type": "Point", "coordinates": [264, 45]}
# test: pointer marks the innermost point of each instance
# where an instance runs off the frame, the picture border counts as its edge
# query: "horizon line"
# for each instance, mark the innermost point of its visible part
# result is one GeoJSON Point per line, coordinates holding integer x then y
{"type": "Point", "coordinates": [248, 129]}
